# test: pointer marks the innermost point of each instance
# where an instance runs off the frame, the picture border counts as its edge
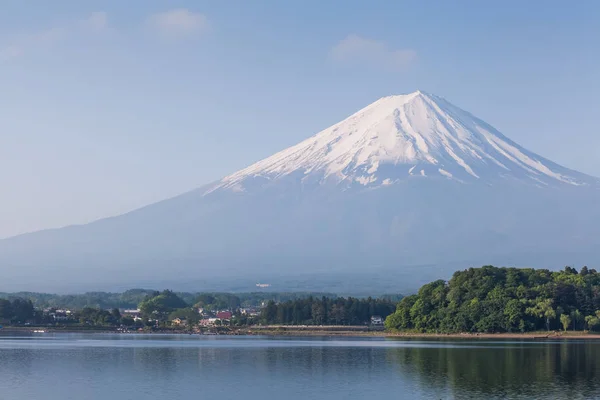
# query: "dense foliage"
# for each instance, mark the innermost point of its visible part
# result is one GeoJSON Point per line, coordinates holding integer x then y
{"type": "Point", "coordinates": [132, 298]}
{"type": "Point", "coordinates": [160, 305]}
{"type": "Point", "coordinates": [16, 311]}
{"type": "Point", "coordinates": [98, 317]}
{"type": "Point", "coordinates": [20, 311]}
{"type": "Point", "coordinates": [217, 301]}
{"type": "Point", "coordinates": [325, 311]}
{"type": "Point", "coordinates": [128, 299]}
{"type": "Point", "coordinates": [490, 299]}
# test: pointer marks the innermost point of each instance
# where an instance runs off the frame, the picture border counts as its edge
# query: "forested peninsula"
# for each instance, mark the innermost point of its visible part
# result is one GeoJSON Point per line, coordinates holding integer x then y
{"type": "Point", "coordinates": [498, 300]}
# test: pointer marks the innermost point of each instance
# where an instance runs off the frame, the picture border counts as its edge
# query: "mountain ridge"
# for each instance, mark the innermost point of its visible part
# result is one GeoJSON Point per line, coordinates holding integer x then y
{"type": "Point", "coordinates": [349, 201]}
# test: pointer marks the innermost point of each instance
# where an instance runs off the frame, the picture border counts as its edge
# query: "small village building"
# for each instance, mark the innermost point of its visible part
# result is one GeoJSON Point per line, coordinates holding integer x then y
{"type": "Point", "coordinates": [208, 322]}
{"type": "Point", "coordinates": [179, 322]}
{"type": "Point", "coordinates": [131, 313]}
{"type": "Point", "coordinates": [251, 311]}
{"type": "Point", "coordinates": [226, 315]}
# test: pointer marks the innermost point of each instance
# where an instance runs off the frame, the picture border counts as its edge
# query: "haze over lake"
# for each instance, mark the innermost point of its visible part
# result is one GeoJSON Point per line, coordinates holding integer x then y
{"type": "Point", "coordinates": [100, 366]}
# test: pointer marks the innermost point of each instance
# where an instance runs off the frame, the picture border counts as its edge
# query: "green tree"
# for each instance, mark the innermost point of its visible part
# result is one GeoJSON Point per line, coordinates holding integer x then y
{"type": "Point", "coordinates": [269, 313]}
{"type": "Point", "coordinates": [593, 322]}
{"type": "Point", "coordinates": [490, 299]}
{"type": "Point", "coordinates": [23, 310]}
{"type": "Point", "coordinates": [161, 305]}
{"type": "Point", "coordinates": [565, 320]}
{"type": "Point", "coordinates": [543, 309]}
{"type": "Point", "coordinates": [340, 310]}
{"type": "Point", "coordinates": [6, 310]}
{"type": "Point", "coordinates": [513, 315]}
{"type": "Point", "coordinates": [116, 314]}
{"type": "Point", "coordinates": [577, 319]}
{"type": "Point", "coordinates": [318, 312]}
{"type": "Point", "coordinates": [401, 319]}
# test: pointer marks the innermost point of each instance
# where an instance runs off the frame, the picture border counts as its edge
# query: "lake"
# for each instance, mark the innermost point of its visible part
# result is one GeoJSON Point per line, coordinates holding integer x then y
{"type": "Point", "coordinates": [106, 366]}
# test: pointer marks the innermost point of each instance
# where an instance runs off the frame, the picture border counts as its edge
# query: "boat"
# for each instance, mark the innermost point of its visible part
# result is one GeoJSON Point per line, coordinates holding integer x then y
{"type": "Point", "coordinates": [39, 331]}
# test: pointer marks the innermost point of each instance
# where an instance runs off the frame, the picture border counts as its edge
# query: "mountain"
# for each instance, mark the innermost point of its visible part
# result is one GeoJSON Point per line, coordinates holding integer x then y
{"type": "Point", "coordinates": [404, 190]}
{"type": "Point", "coordinates": [422, 132]}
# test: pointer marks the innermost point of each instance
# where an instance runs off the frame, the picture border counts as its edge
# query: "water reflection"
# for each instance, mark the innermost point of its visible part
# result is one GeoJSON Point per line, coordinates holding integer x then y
{"type": "Point", "coordinates": [505, 370]}
{"type": "Point", "coordinates": [257, 368]}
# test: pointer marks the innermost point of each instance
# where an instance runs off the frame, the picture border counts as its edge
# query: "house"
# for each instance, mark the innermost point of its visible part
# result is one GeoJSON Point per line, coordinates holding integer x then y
{"type": "Point", "coordinates": [376, 320]}
{"type": "Point", "coordinates": [179, 322]}
{"type": "Point", "coordinates": [251, 311]}
{"type": "Point", "coordinates": [136, 314]}
{"type": "Point", "coordinates": [131, 313]}
{"type": "Point", "coordinates": [207, 322]}
{"type": "Point", "coordinates": [224, 315]}
{"type": "Point", "coordinates": [60, 315]}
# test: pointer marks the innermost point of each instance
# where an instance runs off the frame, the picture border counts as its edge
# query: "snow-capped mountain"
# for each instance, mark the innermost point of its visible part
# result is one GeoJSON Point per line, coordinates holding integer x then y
{"type": "Point", "coordinates": [401, 192]}
{"type": "Point", "coordinates": [418, 134]}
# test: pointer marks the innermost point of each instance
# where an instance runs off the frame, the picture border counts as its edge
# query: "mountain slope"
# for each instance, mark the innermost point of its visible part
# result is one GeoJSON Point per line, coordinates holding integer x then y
{"type": "Point", "coordinates": [422, 132]}
{"type": "Point", "coordinates": [398, 193]}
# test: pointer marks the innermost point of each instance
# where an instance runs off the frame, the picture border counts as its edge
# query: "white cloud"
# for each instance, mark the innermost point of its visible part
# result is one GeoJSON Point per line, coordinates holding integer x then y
{"type": "Point", "coordinates": [26, 43]}
{"type": "Point", "coordinates": [179, 23]}
{"type": "Point", "coordinates": [367, 52]}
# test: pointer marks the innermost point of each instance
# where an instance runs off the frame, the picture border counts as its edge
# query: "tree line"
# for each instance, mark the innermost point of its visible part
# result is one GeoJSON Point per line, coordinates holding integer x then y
{"type": "Point", "coordinates": [20, 311]}
{"type": "Point", "coordinates": [490, 299]}
{"type": "Point", "coordinates": [132, 298]}
{"type": "Point", "coordinates": [17, 311]}
{"type": "Point", "coordinates": [325, 311]}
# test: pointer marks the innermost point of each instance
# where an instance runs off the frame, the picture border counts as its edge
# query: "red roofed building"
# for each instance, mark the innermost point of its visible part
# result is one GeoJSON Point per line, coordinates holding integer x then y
{"type": "Point", "coordinates": [224, 315]}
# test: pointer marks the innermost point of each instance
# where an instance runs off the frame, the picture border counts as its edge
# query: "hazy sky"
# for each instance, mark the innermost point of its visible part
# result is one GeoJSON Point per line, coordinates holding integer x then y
{"type": "Point", "coordinates": [107, 106]}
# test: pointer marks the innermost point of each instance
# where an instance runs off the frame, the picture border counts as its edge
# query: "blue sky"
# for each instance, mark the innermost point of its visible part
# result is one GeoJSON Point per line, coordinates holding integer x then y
{"type": "Point", "coordinates": [108, 106]}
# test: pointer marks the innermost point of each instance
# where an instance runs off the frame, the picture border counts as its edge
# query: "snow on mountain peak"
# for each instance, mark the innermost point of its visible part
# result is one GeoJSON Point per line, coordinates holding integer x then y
{"type": "Point", "coordinates": [403, 136]}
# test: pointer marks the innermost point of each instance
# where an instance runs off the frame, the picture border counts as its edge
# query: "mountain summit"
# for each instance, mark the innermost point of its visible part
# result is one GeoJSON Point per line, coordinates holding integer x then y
{"type": "Point", "coordinates": [399, 193]}
{"type": "Point", "coordinates": [396, 137]}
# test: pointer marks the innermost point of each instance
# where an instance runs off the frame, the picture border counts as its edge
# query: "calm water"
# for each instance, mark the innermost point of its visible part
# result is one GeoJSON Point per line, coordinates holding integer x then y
{"type": "Point", "coordinates": [102, 366]}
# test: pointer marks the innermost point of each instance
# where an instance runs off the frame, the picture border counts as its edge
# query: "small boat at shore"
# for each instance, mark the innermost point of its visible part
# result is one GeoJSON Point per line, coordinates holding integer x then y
{"type": "Point", "coordinates": [39, 331]}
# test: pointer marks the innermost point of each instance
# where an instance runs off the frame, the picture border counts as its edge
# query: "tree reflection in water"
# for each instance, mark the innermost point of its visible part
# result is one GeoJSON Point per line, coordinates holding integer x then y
{"type": "Point", "coordinates": [524, 369]}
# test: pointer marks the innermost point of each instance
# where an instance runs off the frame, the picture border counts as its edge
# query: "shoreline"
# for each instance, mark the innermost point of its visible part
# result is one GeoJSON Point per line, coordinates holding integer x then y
{"type": "Point", "coordinates": [527, 335]}
{"type": "Point", "coordinates": [411, 335]}
{"type": "Point", "coordinates": [286, 331]}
